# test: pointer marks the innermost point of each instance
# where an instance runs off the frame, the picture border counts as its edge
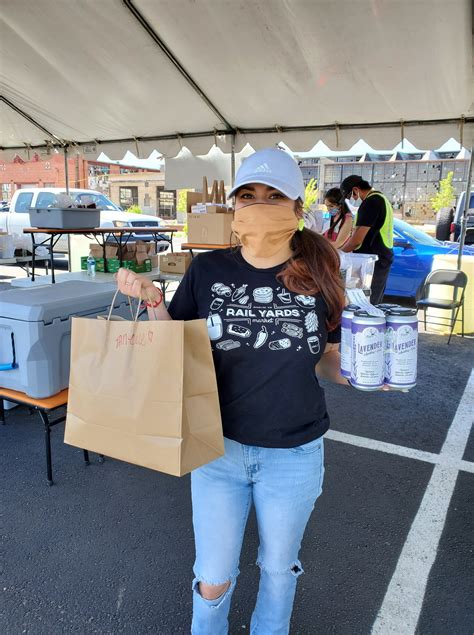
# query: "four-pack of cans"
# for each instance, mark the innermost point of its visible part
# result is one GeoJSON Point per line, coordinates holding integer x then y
{"type": "Point", "coordinates": [378, 350]}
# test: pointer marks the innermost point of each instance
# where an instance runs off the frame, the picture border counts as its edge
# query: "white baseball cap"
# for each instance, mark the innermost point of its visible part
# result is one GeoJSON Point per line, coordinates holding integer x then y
{"type": "Point", "coordinates": [272, 167]}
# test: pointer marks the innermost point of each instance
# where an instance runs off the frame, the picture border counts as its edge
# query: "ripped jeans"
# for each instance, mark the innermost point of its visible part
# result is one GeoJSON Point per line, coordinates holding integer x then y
{"type": "Point", "coordinates": [283, 484]}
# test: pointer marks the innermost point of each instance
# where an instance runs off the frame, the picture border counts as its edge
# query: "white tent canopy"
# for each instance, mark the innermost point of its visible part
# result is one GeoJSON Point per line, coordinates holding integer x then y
{"type": "Point", "coordinates": [139, 75]}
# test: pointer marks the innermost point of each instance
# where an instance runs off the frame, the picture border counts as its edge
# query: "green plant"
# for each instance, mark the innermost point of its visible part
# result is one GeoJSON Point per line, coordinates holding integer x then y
{"type": "Point", "coordinates": [181, 200]}
{"type": "Point", "coordinates": [135, 209]}
{"type": "Point", "coordinates": [445, 195]}
{"type": "Point", "coordinates": [310, 194]}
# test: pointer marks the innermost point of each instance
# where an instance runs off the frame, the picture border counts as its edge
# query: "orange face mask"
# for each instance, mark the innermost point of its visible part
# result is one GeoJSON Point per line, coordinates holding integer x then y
{"type": "Point", "coordinates": [264, 229]}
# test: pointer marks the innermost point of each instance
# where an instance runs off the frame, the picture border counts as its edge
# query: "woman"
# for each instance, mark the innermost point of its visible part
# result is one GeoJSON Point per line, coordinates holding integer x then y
{"type": "Point", "coordinates": [273, 309]}
{"type": "Point", "coordinates": [341, 218]}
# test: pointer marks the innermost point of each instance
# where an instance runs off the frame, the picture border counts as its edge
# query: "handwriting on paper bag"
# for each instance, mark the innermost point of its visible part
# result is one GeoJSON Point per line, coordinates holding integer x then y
{"type": "Point", "coordinates": [136, 339]}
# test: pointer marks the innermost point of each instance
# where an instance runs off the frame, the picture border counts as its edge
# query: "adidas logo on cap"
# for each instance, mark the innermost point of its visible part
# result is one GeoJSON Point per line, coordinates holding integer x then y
{"type": "Point", "coordinates": [263, 168]}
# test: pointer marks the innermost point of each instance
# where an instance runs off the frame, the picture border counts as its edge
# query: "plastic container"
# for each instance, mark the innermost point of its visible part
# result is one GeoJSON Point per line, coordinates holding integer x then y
{"type": "Point", "coordinates": [91, 266]}
{"type": "Point", "coordinates": [357, 269]}
{"type": "Point", "coordinates": [64, 218]}
{"type": "Point", "coordinates": [35, 332]}
{"type": "Point", "coordinates": [7, 247]}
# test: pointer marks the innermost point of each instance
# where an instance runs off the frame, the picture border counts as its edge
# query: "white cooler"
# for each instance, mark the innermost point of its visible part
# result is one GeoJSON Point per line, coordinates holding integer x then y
{"type": "Point", "coordinates": [35, 332]}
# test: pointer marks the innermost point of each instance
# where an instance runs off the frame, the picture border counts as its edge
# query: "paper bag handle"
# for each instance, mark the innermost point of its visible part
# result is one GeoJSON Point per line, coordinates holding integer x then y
{"type": "Point", "coordinates": [222, 192]}
{"type": "Point", "coordinates": [214, 192]}
{"type": "Point", "coordinates": [134, 317]}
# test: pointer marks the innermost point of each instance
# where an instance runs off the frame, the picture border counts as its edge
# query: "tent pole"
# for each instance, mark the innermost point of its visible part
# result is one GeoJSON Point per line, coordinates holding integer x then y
{"type": "Point", "coordinates": [232, 162]}
{"type": "Point", "coordinates": [467, 200]}
{"type": "Point", "coordinates": [66, 170]}
{"type": "Point", "coordinates": [66, 177]}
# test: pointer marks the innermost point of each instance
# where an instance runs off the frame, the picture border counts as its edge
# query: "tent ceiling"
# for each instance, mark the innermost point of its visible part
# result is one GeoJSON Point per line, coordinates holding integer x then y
{"type": "Point", "coordinates": [120, 70]}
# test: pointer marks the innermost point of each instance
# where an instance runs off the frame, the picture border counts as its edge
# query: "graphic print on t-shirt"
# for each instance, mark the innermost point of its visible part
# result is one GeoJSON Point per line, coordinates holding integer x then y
{"type": "Point", "coordinates": [262, 318]}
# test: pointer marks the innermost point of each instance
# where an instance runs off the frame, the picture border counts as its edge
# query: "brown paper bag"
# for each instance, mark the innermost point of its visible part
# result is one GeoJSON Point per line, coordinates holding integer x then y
{"type": "Point", "coordinates": [111, 251]}
{"type": "Point", "coordinates": [141, 256]}
{"type": "Point", "coordinates": [144, 392]}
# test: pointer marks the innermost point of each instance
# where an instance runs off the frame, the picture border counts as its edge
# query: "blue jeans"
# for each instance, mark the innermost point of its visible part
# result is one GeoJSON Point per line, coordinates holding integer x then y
{"type": "Point", "coordinates": [283, 484]}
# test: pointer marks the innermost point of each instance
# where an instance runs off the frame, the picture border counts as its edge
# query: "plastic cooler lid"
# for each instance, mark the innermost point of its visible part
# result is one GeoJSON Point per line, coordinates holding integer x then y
{"type": "Point", "coordinates": [61, 300]}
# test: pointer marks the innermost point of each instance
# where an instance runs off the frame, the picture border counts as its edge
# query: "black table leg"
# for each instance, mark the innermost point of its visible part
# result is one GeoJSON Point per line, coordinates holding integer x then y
{"type": "Point", "coordinates": [47, 432]}
{"type": "Point", "coordinates": [51, 259]}
{"type": "Point", "coordinates": [33, 258]}
{"type": "Point", "coordinates": [2, 412]}
{"type": "Point", "coordinates": [86, 457]}
{"type": "Point", "coordinates": [106, 269]}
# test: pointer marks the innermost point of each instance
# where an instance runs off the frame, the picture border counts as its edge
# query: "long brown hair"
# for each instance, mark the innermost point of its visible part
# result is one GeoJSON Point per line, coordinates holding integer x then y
{"type": "Point", "coordinates": [314, 268]}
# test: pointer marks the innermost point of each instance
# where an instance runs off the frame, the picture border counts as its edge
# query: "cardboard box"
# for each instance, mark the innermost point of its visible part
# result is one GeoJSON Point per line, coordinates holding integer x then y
{"type": "Point", "coordinates": [175, 262]}
{"type": "Point", "coordinates": [192, 198]}
{"type": "Point", "coordinates": [142, 267]}
{"type": "Point", "coordinates": [210, 229]}
{"type": "Point", "coordinates": [113, 264]}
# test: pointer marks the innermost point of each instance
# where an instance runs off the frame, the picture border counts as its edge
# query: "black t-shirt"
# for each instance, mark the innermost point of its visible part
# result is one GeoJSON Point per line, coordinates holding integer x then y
{"type": "Point", "coordinates": [266, 342]}
{"type": "Point", "coordinates": [372, 214]}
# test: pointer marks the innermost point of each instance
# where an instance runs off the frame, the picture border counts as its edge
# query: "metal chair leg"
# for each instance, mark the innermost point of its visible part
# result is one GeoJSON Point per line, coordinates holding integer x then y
{"type": "Point", "coordinates": [47, 432]}
{"type": "Point", "coordinates": [424, 317]}
{"type": "Point", "coordinates": [101, 458]}
{"type": "Point", "coordinates": [453, 323]}
{"type": "Point", "coordinates": [462, 319]}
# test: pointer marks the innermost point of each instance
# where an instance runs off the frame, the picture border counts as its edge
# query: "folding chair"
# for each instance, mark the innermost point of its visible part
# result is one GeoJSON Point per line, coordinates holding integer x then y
{"type": "Point", "coordinates": [451, 278]}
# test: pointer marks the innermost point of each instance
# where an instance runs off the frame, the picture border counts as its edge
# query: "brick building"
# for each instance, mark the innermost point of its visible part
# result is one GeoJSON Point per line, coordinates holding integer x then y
{"type": "Point", "coordinates": [49, 171]}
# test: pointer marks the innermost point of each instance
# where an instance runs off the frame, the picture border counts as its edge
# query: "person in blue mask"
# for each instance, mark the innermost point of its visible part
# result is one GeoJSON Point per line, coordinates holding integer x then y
{"type": "Point", "coordinates": [373, 229]}
{"type": "Point", "coordinates": [340, 226]}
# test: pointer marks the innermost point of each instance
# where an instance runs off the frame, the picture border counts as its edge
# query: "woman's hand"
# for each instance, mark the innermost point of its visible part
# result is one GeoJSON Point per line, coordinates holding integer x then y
{"type": "Point", "coordinates": [136, 286]}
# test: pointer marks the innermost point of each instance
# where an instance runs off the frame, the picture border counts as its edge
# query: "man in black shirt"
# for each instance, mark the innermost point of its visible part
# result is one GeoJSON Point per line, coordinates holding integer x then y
{"type": "Point", "coordinates": [373, 229]}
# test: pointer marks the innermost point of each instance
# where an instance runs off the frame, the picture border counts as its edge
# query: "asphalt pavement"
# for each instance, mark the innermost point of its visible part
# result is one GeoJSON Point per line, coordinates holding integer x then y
{"type": "Point", "coordinates": [109, 548]}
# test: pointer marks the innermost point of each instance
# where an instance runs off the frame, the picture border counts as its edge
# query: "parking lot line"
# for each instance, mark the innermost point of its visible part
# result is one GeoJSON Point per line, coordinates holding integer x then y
{"type": "Point", "coordinates": [445, 459]}
{"type": "Point", "coordinates": [401, 607]}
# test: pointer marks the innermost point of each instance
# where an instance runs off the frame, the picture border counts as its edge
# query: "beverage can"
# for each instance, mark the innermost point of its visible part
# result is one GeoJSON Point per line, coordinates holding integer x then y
{"type": "Point", "coordinates": [386, 306]}
{"type": "Point", "coordinates": [346, 339]}
{"type": "Point", "coordinates": [368, 346]}
{"type": "Point", "coordinates": [401, 348]}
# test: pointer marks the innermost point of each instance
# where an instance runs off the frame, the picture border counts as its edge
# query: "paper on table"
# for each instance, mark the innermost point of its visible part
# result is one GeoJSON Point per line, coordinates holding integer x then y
{"type": "Point", "coordinates": [358, 297]}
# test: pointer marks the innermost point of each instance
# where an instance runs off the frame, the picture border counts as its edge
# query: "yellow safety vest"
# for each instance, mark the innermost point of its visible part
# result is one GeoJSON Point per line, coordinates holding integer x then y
{"type": "Point", "coordinates": [386, 231]}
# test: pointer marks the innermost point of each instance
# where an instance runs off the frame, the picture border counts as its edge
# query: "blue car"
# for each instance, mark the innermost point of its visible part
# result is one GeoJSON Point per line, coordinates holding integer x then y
{"type": "Point", "coordinates": [413, 255]}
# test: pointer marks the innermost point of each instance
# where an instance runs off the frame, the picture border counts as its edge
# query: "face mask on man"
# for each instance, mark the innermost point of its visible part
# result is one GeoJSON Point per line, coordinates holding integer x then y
{"type": "Point", "coordinates": [355, 199]}
{"type": "Point", "coordinates": [264, 229]}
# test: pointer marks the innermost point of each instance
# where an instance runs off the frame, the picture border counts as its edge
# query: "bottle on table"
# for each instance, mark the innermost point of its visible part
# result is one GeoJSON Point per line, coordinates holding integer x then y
{"type": "Point", "coordinates": [91, 266]}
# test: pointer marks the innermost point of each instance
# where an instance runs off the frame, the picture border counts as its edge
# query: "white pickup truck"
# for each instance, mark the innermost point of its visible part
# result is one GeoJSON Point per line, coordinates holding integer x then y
{"type": "Point", "coordinates": [17, 217]}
